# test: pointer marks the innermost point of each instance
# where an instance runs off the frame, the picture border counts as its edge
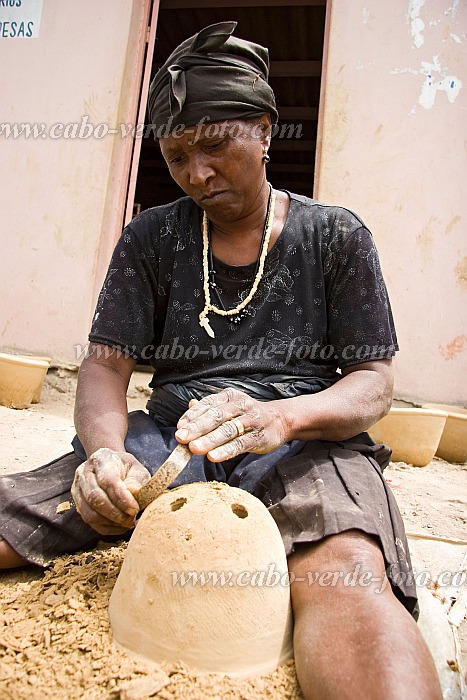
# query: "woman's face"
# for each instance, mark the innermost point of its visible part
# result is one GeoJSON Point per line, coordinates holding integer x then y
{"type": "Point", "coordinates": [219, 165]}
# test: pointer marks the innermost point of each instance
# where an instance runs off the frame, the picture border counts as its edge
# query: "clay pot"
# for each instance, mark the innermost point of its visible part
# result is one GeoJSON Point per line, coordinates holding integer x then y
{"type": "Point", "coordinates": [21, 379]}
{"type": "Point", "coordinates": [453, 444]}
{"type": "Point", "coordinates": [412, 433]}
{"type": "Point", "coordinates": [240, 628]}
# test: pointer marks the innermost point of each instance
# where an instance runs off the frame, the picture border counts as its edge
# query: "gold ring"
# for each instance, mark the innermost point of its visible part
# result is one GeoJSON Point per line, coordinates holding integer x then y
{"type": "Point", "coordinates": [239, 425]}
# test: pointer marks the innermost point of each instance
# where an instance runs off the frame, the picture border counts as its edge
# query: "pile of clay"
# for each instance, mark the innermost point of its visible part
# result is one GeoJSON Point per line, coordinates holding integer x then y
{"type": "Point", "coordinates": [205, 580]}
{"type": "Point", "coordinates": [55, 643]}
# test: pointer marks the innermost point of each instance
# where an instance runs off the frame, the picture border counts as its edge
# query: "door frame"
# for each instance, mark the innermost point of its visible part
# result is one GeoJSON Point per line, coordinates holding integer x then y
{"type": "Point", "coordinates": [146, 79]}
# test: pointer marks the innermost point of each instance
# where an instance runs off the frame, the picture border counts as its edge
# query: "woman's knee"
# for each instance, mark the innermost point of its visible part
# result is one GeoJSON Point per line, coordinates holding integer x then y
{"type": "Point", "coordinates": [350, 562]}
{"type": "Point", "coordinates": [9, 558]}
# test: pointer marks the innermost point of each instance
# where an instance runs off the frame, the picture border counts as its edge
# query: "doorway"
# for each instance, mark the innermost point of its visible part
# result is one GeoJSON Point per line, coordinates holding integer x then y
{"type": "Point", "coordinates": [294, 35]}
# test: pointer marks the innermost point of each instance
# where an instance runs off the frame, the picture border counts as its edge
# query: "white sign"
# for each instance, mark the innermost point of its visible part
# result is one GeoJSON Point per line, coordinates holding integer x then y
{"type": "Point", "coordinates": [20, 19]}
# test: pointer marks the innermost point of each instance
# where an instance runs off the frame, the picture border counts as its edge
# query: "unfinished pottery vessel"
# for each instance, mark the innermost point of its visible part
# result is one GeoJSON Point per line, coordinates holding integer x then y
{"type": "Point", "coordinates": [453, 444]}
{"type": "Point", "coordinates": [236, 620]}
{"type": "Point", "coordinates": [412, 433]}
{"type": "Point", "coordinates": [21, 379]}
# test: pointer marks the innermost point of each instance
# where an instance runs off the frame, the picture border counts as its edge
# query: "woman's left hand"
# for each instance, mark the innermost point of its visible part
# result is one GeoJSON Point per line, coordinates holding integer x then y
{"type": "Point", "coordinates": [213, 426]}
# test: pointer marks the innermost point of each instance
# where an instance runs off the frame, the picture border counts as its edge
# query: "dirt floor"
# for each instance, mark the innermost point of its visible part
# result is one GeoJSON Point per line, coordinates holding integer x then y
{"type": "Point", "coordinates": [54, 628]}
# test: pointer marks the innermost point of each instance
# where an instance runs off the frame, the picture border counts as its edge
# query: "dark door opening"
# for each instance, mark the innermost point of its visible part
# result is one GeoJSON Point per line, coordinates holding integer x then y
{"type": "Point", "coordinates": [294, 35]}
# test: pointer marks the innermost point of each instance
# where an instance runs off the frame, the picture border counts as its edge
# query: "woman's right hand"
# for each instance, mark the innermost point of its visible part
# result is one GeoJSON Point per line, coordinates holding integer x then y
{"type": "Point", "coordinates": [103, 490]}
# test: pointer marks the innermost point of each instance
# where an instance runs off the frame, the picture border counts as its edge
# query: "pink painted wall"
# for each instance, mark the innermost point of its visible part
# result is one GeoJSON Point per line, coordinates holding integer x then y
{"type": "Point", "coordinates": [392, 147]}
{"type": "Point", "coordinates": [63, 198]}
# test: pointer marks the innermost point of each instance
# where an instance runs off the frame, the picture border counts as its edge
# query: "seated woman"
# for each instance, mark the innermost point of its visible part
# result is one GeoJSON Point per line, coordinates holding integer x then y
{"type": "Point", "coordinates": [268, 325]}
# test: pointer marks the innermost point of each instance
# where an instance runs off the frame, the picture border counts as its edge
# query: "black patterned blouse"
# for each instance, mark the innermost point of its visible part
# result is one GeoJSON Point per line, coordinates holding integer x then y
{"type": "Point", "coordinates": [321, 305]}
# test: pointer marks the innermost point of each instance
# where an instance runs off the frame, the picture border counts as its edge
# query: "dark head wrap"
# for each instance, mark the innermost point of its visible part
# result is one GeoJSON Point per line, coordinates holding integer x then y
{"type": "Point", "coordinates": [211, 77]}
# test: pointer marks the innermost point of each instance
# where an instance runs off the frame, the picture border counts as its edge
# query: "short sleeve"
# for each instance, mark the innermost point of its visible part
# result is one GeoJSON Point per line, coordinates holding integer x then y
{"type": "Point", "coordinates": [360, 322]}
{"type": "Point", "coordinates": [125, 314]}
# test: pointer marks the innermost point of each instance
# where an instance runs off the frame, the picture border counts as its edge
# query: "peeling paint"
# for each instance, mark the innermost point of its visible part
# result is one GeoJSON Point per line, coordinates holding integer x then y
{"type": "Point", "coordinates": [365, 15]}
{"type": "Point", "coordinates": [456, 38]}
{"type": "Point", "coordinates": [453, 348]}
{"type": "Point", "coordinates": [453, 9]}
{"type": "Point", "coordinates": [449, 84]}
{"type": "Point", "coordinates": [417, 25]}
{"type": "Point", "coordinates": [397, 71]}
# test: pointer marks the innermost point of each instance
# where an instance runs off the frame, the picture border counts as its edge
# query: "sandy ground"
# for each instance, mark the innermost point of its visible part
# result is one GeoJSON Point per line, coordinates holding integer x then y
{"type": "Point", "coordinates": [54, 629]}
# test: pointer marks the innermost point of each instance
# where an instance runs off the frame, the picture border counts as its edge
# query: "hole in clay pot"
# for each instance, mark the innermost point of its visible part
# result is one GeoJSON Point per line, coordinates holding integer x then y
{"type": "Point", "coordinates": [240, 511]}
{"type": "Point", "coordinates": [176, 505]}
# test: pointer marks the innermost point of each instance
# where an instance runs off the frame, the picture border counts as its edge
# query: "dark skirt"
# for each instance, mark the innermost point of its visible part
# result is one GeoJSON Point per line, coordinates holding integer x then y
{"type": "Point", "coordinates": [312, 490]}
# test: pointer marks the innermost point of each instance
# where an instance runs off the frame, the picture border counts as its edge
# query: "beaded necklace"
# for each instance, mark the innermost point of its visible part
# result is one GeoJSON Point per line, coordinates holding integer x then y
{"type": "Point", "coordinates": [208, 306]}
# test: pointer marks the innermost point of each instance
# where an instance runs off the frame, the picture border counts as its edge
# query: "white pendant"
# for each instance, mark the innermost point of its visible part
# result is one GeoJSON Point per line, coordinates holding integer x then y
{"type": "Point", "coordinates": [204, 323]}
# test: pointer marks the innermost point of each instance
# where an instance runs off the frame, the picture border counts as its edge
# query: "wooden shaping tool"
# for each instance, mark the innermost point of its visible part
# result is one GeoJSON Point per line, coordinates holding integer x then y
{"type": "Point", "coordinates": [165, 475]}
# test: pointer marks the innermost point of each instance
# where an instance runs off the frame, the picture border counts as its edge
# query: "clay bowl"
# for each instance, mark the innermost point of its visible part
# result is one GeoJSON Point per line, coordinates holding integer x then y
{"type": "Point", "coordinates": [21, 379]}
{"type": "Point", "coordinates": [412, 433]}
{"type": "Point", "coordinates": [242, 627]}
{"type": "Point", "coordinates": [453, 444]}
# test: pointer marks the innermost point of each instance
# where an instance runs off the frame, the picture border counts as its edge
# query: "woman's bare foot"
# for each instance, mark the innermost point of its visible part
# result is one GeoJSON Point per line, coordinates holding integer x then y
{"type": "Point", "coordinates": [9, 558]}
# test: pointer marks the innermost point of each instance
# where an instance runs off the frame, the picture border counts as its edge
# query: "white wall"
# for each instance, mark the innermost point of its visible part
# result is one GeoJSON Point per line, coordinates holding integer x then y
{"type": "Point", "coordinates": [62, 199]}
{"type": "Point", "coordinates": [392, 146]}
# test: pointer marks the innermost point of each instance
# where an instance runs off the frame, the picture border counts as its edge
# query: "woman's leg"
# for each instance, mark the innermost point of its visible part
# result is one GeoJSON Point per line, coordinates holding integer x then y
{"type": "Point", "coordinates": [9, 559]}
{"type": "Point", "coordinates": [352, 641]}
{"type": "Point", "coordinates": [37, 519]}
